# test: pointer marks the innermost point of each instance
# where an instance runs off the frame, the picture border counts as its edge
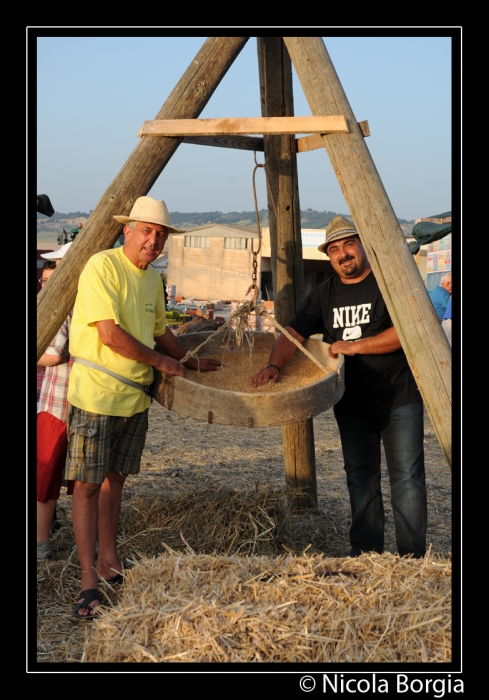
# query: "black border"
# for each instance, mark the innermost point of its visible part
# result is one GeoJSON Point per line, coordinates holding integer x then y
{"type": "Point", "coordinates": [224, 676]}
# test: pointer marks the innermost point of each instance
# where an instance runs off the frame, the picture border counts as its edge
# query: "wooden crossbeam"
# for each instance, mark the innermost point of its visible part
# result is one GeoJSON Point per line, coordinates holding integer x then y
{"type": "Point", "coordinates": [309, 143]}
{"type": "Point", "coordinates": [244, 126]}
{"type": "Point", "coordinates": [252, 143]}
{"type": "Point", "coordinates": [243, 143]}
{"type": "Point", "coordinates": [314, 142]}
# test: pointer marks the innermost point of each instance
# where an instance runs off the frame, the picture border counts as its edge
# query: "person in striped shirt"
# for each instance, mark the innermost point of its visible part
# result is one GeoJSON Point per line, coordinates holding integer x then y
{"type": "Point", "coordinates": [51, 427]}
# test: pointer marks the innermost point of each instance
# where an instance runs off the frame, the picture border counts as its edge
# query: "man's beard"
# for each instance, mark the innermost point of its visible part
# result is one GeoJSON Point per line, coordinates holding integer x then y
{"type": "Point", "coordinates": [350, 271]}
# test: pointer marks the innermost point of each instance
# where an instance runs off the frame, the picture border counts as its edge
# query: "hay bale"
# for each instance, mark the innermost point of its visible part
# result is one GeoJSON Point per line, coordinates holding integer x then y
{"type": "Point", "coordinates": [286, 609]}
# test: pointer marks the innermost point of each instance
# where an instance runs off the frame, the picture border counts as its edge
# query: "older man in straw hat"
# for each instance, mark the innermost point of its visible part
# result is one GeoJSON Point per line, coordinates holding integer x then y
{"type": "Point", "coordinates": [381, 402]}
{"type": "Point", "coordinates": [119, 315]}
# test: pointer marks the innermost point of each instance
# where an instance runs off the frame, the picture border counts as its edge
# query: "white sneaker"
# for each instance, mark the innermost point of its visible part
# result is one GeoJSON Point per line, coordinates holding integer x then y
{"type": "Point", "coordinates": [44, 550]}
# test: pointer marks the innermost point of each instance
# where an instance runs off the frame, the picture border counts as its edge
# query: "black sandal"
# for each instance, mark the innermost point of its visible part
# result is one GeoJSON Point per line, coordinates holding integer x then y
{"type": "Point", "coordinates": [88, 596]}
{"type": "Point", "coordinates": [118, 578]}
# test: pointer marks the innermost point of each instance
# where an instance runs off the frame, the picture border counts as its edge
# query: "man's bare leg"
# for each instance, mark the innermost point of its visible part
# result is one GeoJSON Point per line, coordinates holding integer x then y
{"type": "Point", "coordinates": [85, 514]}
{"type": "Point", "coordinates": [109, 508]}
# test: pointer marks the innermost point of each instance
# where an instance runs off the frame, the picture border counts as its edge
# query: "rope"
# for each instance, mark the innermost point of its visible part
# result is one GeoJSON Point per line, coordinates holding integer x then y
{"type": "Point", "coordinates": [261, 310]}
{"type": "Point", "coordinates": [243, 331]}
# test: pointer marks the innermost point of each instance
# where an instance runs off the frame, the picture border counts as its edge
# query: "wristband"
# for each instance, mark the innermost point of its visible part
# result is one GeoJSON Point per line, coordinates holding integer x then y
{"type": "Point", "coordinates": [269, 365]}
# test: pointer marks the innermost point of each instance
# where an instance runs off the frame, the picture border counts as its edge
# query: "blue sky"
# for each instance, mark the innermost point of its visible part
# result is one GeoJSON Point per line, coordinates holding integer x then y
{"type": "Point", "coordinates": [94, 93]}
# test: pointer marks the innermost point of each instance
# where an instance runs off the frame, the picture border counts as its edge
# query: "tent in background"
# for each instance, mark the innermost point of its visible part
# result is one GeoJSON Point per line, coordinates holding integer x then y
{"type": "Point", "coordinates": [430, 229]}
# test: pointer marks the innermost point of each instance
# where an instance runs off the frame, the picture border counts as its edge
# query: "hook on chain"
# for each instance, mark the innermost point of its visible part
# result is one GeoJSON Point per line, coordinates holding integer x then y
{"type": "Point", "coordinates": [254, 274]}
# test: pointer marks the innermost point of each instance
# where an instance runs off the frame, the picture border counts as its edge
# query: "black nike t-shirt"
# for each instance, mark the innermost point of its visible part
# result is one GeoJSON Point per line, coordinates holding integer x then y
{"type": "Point", "coordinates": [373, 383]}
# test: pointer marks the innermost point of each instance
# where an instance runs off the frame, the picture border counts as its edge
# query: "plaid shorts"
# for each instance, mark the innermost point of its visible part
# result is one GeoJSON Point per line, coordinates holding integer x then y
{"type": "Point", "coordinates": [98, 443]}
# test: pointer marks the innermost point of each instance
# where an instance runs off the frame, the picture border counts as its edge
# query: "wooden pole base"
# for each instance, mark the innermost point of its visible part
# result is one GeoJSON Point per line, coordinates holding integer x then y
{"type": "Point", "coordinates": [300, 463]}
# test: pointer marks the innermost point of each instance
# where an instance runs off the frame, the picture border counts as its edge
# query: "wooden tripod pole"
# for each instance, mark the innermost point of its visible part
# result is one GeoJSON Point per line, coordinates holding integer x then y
{"type": "Point", "coordinates": [136, 178]}
{"type": "Point", "coordinates": [275, 71]}
{"type": "Point", "coordinates": [423, 340]}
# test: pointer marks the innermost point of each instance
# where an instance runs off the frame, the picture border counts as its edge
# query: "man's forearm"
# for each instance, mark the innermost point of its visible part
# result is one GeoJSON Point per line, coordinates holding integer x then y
{"type": "Point", "coordinates": [282, 351]}
{"type": "Point", "coordinates": [381, 344]}
{"type": "Point", "coordinates": [48, 360]}
{"type": "Point", "coordinates": [283, 348]}
{"type": "Point", "coordinates": [123, 343]}
{"type": "Point", "coordinates": [169, 344]}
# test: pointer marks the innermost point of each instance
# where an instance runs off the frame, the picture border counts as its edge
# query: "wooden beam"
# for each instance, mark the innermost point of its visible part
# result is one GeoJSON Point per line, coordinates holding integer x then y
{"type": "Point", "coordinates": [275, 72]}
{"type": "Point", "coordinates": [314, 142]}
{"type": "Point", "coordinates": [243, 143]}
{"type": "Point", "coordinates": [364, 127]}
{"type": "Point", "coordinates": [136, 178]}
{"type": "Point", "coordinates": [422, 337]}
{"type": "Point", "coordinates": [250, 143]}
{"type": "Point", "coordinates": [244, 125]}
{"type": "Point", "coordinates": [309, 143]}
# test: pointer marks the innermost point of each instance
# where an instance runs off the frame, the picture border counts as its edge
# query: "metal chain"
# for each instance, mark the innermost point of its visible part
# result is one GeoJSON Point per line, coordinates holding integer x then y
{"type": "Point", "coordinates": [257, 215]}
{"type": "Point", "coordinates": [254, 274]}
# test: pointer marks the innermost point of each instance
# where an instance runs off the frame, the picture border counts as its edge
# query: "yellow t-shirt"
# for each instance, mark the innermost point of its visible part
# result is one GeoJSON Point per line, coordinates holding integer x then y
{"type": "Point", "coordinates": [111, 287]}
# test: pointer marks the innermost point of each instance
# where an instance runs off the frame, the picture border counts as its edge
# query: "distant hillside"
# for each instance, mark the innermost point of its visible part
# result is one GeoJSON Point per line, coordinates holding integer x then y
{"type": "Point", "coordinates": [48, 228]}
{"type": "Point", "coordinates": [309, 218]}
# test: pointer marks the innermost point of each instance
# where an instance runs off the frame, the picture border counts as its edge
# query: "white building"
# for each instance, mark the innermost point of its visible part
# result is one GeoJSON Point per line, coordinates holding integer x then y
{"type": "Point", "coordinates": [216, 261]}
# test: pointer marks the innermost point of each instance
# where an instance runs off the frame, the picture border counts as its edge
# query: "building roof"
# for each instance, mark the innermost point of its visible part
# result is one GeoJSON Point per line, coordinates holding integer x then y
{"type": "Point", "coordinates": [223, 231]}
{"type": "Point", "coordinates": [161, 262]}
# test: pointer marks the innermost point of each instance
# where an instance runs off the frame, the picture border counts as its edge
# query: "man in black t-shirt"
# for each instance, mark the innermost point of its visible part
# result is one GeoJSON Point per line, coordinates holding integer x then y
{"type": "Point", "coordinates": [381, 402]}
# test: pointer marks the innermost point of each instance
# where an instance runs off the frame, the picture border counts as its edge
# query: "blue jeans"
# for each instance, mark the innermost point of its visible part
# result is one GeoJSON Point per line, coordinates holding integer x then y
{"type": "Point", "coordinates": [401, 432]}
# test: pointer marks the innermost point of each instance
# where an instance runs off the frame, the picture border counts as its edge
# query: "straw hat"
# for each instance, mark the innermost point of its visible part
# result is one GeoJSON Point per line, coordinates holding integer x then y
{"type": "Point", "coordinates": [337, 228]}
{"type": "Point", "coordinates": [150, 210]}
{"type": "Point", "coordinates": [57, 254]}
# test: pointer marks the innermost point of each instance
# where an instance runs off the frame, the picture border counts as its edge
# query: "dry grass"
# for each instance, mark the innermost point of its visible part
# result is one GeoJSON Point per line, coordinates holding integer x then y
{"type": "Point", "coordinates": [285, 609]}
{"type": "Point", "coordinates": [214, 496]}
